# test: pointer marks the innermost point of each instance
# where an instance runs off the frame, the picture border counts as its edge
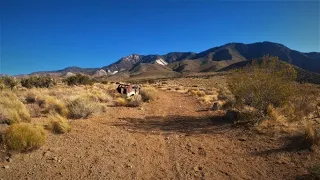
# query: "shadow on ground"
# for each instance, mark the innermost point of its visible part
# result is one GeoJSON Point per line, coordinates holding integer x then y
{"type": "Point", "coordinates": [176, 124]}
{"type": "Point", "coordinates": [292, 144]}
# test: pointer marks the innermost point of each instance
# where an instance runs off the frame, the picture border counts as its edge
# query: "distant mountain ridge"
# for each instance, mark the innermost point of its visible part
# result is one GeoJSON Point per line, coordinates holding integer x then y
{"type": "Point", "coordinates": [213, 59]}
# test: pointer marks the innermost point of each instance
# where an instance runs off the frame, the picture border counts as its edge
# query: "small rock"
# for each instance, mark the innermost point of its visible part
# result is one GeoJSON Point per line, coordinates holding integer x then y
{"type": "Point", "coordinates": [242, 139]}
{"type": "Point", "coordinates": [215, 106]}
{"type": "Point", "coordinates": [6, 167]}
{"type": "Point", "coordinates": [141, 108]}
{"type": "Point", "coordinates": [231, 115]}
{"type": "Point", "coordinates": [8, 159]}
{"type": "Point", "coordinates": [166, 138]}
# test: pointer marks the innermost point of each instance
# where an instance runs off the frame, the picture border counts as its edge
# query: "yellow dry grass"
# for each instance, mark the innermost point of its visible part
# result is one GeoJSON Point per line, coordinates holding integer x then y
{"type": "Point", "coordinates": [58, 124]}
{"type": "Point", "coordinates": [148, 93]}
{"type": "Point", "coordinates": [120, 101]}
{"type": "Point", "coordinates": [12, 110]}
{"type": "Point", "coordinates": [24, 137]}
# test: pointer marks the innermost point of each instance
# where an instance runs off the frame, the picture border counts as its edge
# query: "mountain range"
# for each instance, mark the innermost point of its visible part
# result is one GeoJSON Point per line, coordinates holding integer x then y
{"type": "Point", "coordinates": [214, 59]}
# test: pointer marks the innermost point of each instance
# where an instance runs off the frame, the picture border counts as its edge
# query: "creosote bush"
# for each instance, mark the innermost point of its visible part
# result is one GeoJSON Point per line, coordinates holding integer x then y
{"type": "Point", "coordinates": [37, 81]}
{"type": "Point", "coordinates": [7, 82]}
{"type": "Point", "coordinates": [78, 79]}
{"type": "Point", "coordinates": [12, 110]}
{"type": "Point", "coordinates": [24, 137]}
{"type": "Point", "coordinates": [58, 124]}
{"type": "Point", "coordinates": [261, 84]}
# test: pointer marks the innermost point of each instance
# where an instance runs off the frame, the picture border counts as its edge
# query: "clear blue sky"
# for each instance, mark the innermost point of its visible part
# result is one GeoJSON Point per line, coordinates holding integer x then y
{"type": "Point", "coordinates": [49, 35]}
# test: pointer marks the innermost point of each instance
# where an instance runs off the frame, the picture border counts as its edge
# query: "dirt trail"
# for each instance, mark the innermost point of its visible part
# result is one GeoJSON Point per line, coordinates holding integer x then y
{"type": "Point", "coordinates": [169, 138]}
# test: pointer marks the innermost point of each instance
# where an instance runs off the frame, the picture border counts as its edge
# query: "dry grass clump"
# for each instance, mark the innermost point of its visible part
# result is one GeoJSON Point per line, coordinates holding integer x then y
{"type": "Point", "coordinates": [311, 135]}
{"type": "Point", "coordinates": [50, 105]}
{"type": "Point", "coordinates": [134, 101]}
{"type": "Point", "coordinates": [24, 137]}
{"type": "Point", "coordinates": [58, 124]}
{"type": "Point", "coordinates": [196, 92]}
{"type": "Point", "coordinates": [82, 107]}
{"type": "Point", "coordinates": [276, 122]}
{"type": "Point", "coordinates": [120, 101]}
{"type": "Point", "coordinates": [148, 94]}
{"type": "Point", "coordinates": [12, 110]}
{"type": "Point", "coordinates": [101, 96]}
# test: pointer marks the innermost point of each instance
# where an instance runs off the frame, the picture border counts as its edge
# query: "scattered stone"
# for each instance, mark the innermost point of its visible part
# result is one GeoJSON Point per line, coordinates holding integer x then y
{"type": "Point", "coordinates": [242, 139]}
{"type": "Point", "coordinates": [166, 138]}
{"type": "Point", "coordinates": [9, 160]}
{"type": "Point", "coordinates": [53, 159]}
{"type": "Point", "coordinates": [231, 115]}
{"type": "Point", "coordinates": [202, 151]}
{"type": "Point", "coordinates": [215, 106]}
{"type": "Point", "coordinates": [6, 167]}
{"type": "Point", "coordinates": [141, 108]}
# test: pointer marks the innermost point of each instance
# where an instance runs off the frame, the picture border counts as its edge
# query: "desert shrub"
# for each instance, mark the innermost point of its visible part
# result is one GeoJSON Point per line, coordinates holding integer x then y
{"type": "Point", "coordinates": [299, 108]}
{"type": "Point", "coordinates": [120, 101]}
{"type": "Point", "coordinates": [78, 79]}
{"type": "Point", "coordinates": [51, 104]}
{"type": "Point", "coordinates": [315, 172]}
{"type": "Point", "coordinates": [82, 107]}
{"type": "Point", "coordinates": [148, 94]}
{"type": "Point", "coordinates": [24, 137]}
{"type": "Point", "coordinates": [311, 136]}
{"type": "Point", "coordinates": [134, 101]}
{"type": "Point", "coordinates": [12, 110]}
{"type": "Point", "coordinates": [31, 97]}
{"type": "Point", "coordinates": [37, 81]}
{"type": "Point", "coordinates": [196, 92]}
{"type": "Point", "coordinates": [101, 96]}
{"type": "Point", "coordinates": [58, 124]}
{"type": "Point", "coordinates": [7, 82]}
{"type": "Point", "coordinates": [262, 84]}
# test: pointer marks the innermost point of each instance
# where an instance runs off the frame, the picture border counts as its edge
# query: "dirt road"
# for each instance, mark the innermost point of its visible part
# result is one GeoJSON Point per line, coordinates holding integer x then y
{"type": "Point", "coordinates": [172, 137]}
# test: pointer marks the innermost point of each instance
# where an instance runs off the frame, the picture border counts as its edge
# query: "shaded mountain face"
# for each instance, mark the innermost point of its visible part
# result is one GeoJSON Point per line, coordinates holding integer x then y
{"type": "Point", "coordinates": [213, 59]}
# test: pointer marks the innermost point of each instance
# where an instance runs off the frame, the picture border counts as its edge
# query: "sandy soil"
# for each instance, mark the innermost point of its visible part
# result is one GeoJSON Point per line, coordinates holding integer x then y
{"type": "Point", "coordinates": [173, 137]}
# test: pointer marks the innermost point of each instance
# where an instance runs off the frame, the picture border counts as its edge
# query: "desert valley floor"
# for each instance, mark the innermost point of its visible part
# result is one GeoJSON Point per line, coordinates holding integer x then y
{"type": "Point", "coordinates": [173, 137]}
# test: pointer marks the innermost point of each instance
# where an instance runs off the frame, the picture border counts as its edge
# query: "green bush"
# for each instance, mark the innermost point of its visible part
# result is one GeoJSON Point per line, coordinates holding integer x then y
{"type": "Point", "coordinates": [37, 81]}
{"type": "Point", "coordinates": [78, 79]}
{"type": "Point", "coordinates": [268, 82]}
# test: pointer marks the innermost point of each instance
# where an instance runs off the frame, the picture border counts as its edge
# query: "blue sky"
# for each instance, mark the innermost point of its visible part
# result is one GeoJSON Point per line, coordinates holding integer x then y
{"type": "Point", "coordinates": [48, 35]}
